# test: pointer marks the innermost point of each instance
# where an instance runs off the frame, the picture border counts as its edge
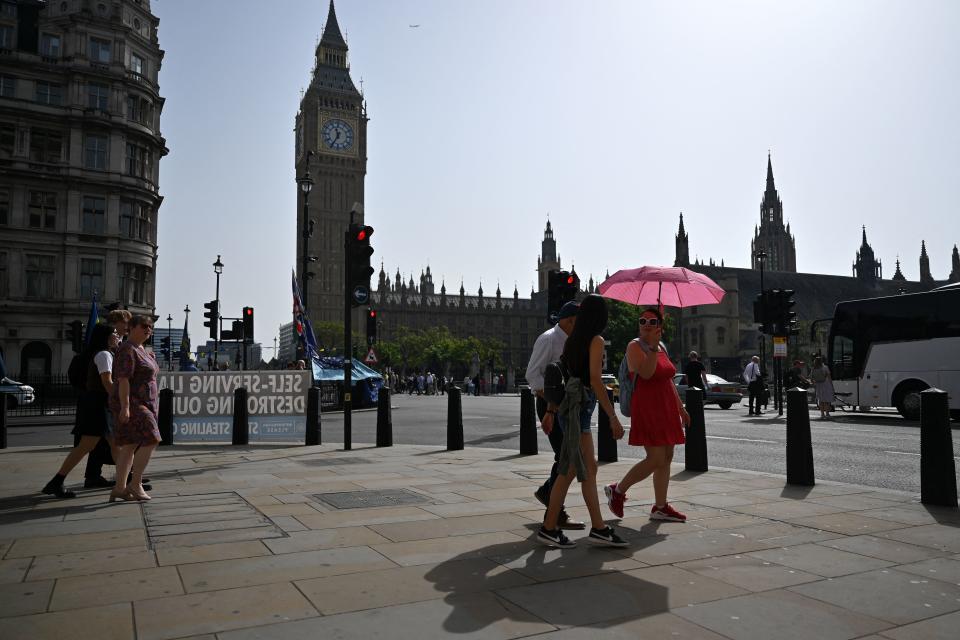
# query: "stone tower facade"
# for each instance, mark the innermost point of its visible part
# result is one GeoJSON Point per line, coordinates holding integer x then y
{"type": "Point", "coordinates": [925, 276]}
{"type": "Point", "coordinates": [682, 254]}
{"type": "Point", "coordinates": [548, 260]}
{"type": "Point", "coordinates": [771, 236]}
{"type": "Point", "coordinates": [955, 265]}
{"type": "Point", "coordinates": [867, 268]}
{"type": "Point", "coordinates": [331, 144]}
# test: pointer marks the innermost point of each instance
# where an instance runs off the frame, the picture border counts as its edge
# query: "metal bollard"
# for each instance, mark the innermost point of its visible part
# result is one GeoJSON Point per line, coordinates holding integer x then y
{"type": "Point", "coordinates": [454, 420]}
{"type": "Point", "coordinates": [3, 420]}
{"type": "Point", "coordinates": [165, 417]}
{"type": "Point", "coordinates": [312, 435]}
{"type": "Point", "coordinates": [695, 450]}
{"type": "Point", "coordinates": [799, 444]}
{"type": "Point", "coordinates": [528, 423]}
{"type": "Point", "coordinates": [241, 417]}
{"type": "Point", "coordinates": [938, 474]}
{"type": "Point", "coordinates": [606, 443]}
{"type": "Point", "coordinates": [384, 418]}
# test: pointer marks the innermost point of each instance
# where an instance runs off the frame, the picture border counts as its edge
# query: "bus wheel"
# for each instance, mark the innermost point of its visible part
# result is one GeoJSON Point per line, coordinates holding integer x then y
{"type": "Point", "coordinates": [907, 398]}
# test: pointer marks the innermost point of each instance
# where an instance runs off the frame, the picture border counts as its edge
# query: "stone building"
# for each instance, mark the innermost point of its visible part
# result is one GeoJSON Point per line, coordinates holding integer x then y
{"type": "Point", "coordinates": [80, 148]}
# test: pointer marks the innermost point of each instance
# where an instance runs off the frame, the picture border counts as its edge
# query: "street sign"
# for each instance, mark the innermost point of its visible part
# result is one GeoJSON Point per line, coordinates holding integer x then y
{"type": "Point", "coordinates": [361, 294]}
{"type": "Point", "coordinates": [371, 358]}
{"type": "Point", "coordinates": [779, 347]}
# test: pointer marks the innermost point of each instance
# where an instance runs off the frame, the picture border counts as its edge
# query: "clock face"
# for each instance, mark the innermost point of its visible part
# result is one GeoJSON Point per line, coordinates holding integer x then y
{"type": "Point", "coordinates": [337, 135]}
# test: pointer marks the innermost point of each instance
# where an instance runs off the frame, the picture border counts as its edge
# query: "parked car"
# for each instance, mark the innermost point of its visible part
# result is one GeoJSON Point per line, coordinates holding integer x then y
{"type": "Point", "coordinates": [610, 382]}
{"type": "Point", "coordinates": [18, 394]}
{"type": "Point", "coordinates": [719, 391]}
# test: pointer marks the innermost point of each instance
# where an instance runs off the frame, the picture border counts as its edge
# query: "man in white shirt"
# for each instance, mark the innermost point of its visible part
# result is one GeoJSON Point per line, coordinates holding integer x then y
{"type": "Point", "coordinates": [754, 379]}
{"type": "Point", "coordinates": [548, 348]}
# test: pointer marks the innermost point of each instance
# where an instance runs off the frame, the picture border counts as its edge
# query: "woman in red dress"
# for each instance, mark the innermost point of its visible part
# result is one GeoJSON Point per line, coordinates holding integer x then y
{"type": "Point", "coordinates": [657, 419]}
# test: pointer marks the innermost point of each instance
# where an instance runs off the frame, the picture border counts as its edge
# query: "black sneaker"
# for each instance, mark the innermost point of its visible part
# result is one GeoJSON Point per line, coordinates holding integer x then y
{"type": "Point", "coordinates": [606, 537]}
{"type": "Point", "coordinates": [555, 538]}
{"type": "Point", "coordinates": [566, 522]}
{"type": "Point", "coordinates": [543, 495]}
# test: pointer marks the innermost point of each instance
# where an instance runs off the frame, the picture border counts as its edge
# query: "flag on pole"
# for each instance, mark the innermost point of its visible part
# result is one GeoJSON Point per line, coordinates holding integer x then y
{"type": "Point", "coordinates": [302, 323]}
{"type": "Point", "coordinates": [92, 320]}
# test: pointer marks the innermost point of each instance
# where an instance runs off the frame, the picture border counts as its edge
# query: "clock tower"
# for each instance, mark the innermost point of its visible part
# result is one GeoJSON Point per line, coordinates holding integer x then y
{"type": "Point", "coordinates": [331, 145]}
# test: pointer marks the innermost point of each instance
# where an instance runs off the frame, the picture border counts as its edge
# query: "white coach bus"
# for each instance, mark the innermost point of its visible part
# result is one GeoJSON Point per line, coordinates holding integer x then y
{"type": "Point", "coordinates": [884, 351]}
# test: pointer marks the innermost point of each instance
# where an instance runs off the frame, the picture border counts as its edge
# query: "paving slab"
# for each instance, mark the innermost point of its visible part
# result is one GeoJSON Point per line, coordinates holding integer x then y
{"type": "Point", "coordinates": [941, 537]}
{"type": "Point", "coordinates": [24, 598]}
{"type": "Point", "coordinates": [170, 555]}
{"type": "Point", "coordinates": [892, 550]}
{"type": "Point", "coordinates": [463, 525]}
{"type": "Point", "coordinates": [14, 570]}
{"type": "Point", "coordinates": [112, 622]}
{"type": "Point", "coordinates": [81, 563]}
{"type": "Point", "coordinates": [747, 572]}
{"type": "Point", "coordinates": [660, 625]}
{"type": "Point", "coordinates": [940, 628]}
{"type": "Point", "coordinates": [439, 549]}
{"type": "Point", "coordinates": [120, 586]}
{"type": "Point", "coordinates": [55, 545]}
{"type": "Point", "coordinates": [820, 560]}
{"type": "Point", "coordinates": [313, 540]}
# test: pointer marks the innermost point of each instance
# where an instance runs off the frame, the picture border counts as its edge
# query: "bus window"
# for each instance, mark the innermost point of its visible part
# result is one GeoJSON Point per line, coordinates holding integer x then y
{"type": "Point", "coordinates": [842, 366]}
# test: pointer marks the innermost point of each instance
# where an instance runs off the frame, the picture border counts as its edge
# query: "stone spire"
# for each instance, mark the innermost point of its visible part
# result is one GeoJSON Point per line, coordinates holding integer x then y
{"type": "Point", "coordinates": [771, 236]}
{"type": "Point", "coordinates": [682, 255]}
{"type": "Point", "coordinates": [925, 276]}
{"type": "Point", "coordinates": [867, 268]}
{"type": "Point", "coordinates": [516, 294]}
{"type": "Point", "coordinates": [332, 37]}
{"type": "Point", "coordinates": [955, 270]}
{"type": "Point", "coordinates": [898, 275]}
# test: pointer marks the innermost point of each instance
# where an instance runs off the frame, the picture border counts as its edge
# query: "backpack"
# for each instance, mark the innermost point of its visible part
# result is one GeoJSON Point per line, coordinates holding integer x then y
{"type": "Point", "coordinates": [77, 372]}
{"type": "Point", "coordinates": [626, 386]}
{"type": "Point", "coordinates": [555, 382]}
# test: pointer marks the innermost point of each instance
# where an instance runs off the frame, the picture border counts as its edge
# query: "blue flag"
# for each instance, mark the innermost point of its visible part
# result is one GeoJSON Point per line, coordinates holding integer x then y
{"type": "Point", "coordinates": [92, 320]}
{"type": "Point", "coordinates": [301, 323]}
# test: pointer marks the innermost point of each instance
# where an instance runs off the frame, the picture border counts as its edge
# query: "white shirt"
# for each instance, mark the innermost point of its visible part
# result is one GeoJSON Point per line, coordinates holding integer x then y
{"type": "Point", "coordinates": [752, 372]}
{"type": "Point", "coordinates": [104, 362]}
{"type": "Point", "coordinates": [548, 348]}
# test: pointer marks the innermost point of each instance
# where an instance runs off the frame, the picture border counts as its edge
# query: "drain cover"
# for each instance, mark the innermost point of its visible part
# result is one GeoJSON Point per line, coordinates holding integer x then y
{"type": "Point", "coordinates": [372, 498]}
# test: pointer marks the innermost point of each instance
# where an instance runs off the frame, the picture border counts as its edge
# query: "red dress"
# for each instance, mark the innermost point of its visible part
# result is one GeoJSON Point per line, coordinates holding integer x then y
{"type": "Point", "coordinates": [654, 416]}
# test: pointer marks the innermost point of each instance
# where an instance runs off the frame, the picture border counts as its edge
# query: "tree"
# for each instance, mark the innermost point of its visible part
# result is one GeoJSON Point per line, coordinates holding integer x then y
{"type": "Point", "coordinates": [622, 328]}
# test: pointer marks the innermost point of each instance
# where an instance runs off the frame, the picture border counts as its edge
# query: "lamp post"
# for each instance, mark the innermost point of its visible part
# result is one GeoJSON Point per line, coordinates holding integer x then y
{"type": "Point", "coordinates": [217, 269]}
{"type": "Point", "coordinates": [305, 182]}
{"type": "Point", "coordinates": [169, 343]}
{"type": "Point", "coordinates": [761, 256]}
{"type": "Point", "coordinates": [184, 344]}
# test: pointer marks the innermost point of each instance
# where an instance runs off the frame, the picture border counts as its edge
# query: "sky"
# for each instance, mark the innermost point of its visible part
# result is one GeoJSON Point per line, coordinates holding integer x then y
{"type": "Point", "coordinates": [609, 117]}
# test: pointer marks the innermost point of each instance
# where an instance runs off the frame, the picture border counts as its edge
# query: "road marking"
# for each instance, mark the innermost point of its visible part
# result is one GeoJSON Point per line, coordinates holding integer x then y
{"type": "Point", "coordinates": [910, 453]}
{"type": "Point", "coordinates": [743, 439]}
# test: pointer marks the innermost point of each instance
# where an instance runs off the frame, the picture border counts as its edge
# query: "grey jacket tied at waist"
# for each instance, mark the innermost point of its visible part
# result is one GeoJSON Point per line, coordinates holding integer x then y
{"type": "Point", "coordinates": [575, 395]}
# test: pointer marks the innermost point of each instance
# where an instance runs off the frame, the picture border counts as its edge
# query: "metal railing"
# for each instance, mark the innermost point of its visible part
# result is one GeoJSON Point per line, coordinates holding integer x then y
{"type": "Point", "coordinates": [52, 396]}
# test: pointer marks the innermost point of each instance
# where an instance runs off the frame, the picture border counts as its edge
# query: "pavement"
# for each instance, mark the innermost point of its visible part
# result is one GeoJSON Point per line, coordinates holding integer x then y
{"type": "Point", "coordinates": [414, 541]}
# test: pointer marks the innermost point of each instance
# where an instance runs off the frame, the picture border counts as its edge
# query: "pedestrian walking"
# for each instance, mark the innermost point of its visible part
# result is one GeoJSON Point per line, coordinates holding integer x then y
{"type": "Point", "coordinates": [92, 422]}
{"type": "Point", "coordinates": [657, 419]}
{"type": "Point", "coordinates": [754, 379]}
{"type": "Point", "coordinates": [823, 383]}
{"type": "Point", "coordinates": [695, 373]}
{"type": "Point", "coordinates": [583, 359]}
{"type": "Point", "coordinates": [546, 349]}
{"type": "Point", "coordinates": [134, 404]}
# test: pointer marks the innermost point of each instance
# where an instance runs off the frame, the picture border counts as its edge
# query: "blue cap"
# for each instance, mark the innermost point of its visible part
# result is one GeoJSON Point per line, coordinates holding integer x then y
{"type": "Point", "coordinates": [568, 310]}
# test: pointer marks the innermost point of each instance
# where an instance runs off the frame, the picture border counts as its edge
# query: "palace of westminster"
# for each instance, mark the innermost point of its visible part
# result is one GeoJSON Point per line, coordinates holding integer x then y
{"type": "Point", "coordinates": [80, 148]}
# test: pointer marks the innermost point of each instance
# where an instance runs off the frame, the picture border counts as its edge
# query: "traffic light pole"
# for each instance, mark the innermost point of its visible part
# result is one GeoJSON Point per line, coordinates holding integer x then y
{"type": "Point", "coordinates": [347, 351]}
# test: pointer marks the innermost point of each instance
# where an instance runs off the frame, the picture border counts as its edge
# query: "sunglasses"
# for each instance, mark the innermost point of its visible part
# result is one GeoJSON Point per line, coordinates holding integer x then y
{"type": "Point", "coordinates": [651, 322]}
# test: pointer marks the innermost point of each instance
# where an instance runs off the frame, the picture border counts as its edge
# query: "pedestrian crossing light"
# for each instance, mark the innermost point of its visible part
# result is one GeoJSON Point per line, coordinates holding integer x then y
{"type": "Point", "coordinates": [359, 270]}
{"type": "Point", "coordinates": [787, 318]}
{"type": "Point", "coordinates": [212, 315]}
{"type": "Point", "coordinates": [371, 326]}
{"type": "Point", "coordinates": [562, 287]}
{"type": "Point", "coordinates": [248, 325]}
{"type": "Point", "coordinates": [75, 335]}
{"type": "Point", "coordinates": [165, 348]}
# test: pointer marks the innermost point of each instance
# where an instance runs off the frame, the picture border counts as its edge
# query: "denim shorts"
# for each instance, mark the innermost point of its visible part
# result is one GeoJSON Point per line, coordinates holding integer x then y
{"type": "Point", "coordinates": [586, 413]}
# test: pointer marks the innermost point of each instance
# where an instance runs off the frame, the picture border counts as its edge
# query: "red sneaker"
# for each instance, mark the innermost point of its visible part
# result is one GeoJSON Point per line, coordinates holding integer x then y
{"type": "Point", "coordinates": [668, 513]}
{"type": "Point", "coordinates": [615, 499]}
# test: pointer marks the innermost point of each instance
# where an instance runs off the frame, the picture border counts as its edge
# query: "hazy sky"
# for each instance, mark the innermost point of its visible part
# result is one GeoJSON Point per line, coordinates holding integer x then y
{"type": "Point", "coordinates": [611, 117]}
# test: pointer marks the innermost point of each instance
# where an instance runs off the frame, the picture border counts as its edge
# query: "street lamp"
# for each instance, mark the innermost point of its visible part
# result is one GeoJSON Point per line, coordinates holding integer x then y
{"type": "Point", "coordinates": [305, 182]}
{"type": "Point", "coordinates": [169, 342]}
{"type": "Point", "coordinates": [761, 257]}
{"type": "Point", "coordinates": [184, 342]}
{"type": "Point", "coordinates": [217, 269]}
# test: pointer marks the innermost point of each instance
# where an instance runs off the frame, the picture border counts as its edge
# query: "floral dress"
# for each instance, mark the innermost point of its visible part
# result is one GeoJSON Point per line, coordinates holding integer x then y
{"type": "Point", "coordinates": [140, 368]}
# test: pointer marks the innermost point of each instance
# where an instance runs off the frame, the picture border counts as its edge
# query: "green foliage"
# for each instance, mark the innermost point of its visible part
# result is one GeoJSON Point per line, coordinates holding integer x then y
{"type": "Point", "coordinates": [622, 328]}
{"type": "Point", "coordinates": [435, 348]}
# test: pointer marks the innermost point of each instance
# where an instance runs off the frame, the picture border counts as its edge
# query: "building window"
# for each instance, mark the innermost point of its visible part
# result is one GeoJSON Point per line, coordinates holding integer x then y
{"type": "Point", "coordinates": [6, 37]}
{"type": "Point", "coordinates": [98, 96]}
{"type": "Point", "coordinates": [42, 210]}
{"type": "Point", "coordinates": [145, 229]}
{"type": "Point", "coordinates": [95, 152]}
{"type": "Point", "coordinates": [8, 139]}
{"type": "Point", "coordinates": [8, 9]}
{"type": "Point", "coordinates": [136, 221]}
{"type": "Point", "coordinates": [49, 93]}
{"type": "Point", "coordinates": [139, 161]}
{"type": "Point", "coordinates": [45, 145]}
{"type": "Point", "coordinates": [139, 109]}
{"type": "Point", "coordinates": [4, 207]}
{"type": "Point", "coordinates": [49, 45]}
{"type": "Point", "coordinates": [100, 50]}
{"type": "Point", "coordinates": [133, 283]}
{"type": "Point", "coordinates": [94, 214]}
{"type": "Point", "coordinates": [721, 335]}
{"type": "Point", "coordinates": [8, 87]}
{"type": "Point", "coordinates": [137, 65]}
{"type": "Point", "coordinates": [39, 272]}
{"type": "Point", "coordinates": [4, 277]}
{"type": "Point", "coordinates": [91, 277]}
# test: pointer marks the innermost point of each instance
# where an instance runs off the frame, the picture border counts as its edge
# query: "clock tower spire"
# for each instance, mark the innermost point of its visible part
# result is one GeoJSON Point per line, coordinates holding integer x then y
{"type": "Point", "coordinates": [332, 124]}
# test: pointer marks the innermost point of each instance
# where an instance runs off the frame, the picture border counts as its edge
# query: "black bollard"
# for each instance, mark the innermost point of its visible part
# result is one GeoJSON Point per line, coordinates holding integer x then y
{"type": "Point", "coordinates": [606, 443]}
{"type": "Point", "coordinates": [312, 436]}
{"type": "Point", "coordinates": [528, 423]}
{"type": "Point", "coordinates": [454, 420]}
{"type": "Point", "coordinates": [384, 418]}
{"type": "Point", "coordinates": [695, 450]}
{"type": "Point", "coordinates": [938, 474]}
{"type": "Point", "coordinates": [799, 444]}
{"type": "Point", "coordinates": [165, 417]}
{"type": "Point", "coordinates": [3, 420]}
{"type": "Point", "coordinates": [241, 417]}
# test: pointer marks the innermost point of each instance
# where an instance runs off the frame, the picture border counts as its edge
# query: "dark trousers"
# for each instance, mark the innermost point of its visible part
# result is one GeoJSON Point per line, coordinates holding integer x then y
{"type": "Point", "coordinates": [556, 441]}
{"type": "Point", "coordinates": [755, 389]}
{"type": "Point", "coordinates": [100, 456]}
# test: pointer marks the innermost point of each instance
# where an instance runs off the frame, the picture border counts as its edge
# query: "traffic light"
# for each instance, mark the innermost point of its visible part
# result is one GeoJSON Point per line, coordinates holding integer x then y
{"type": "Point", "coordinates": [248, 325]}
{"type": "Point", "coordinates": [358, 264]}
{"type": "Point", "coordinates": [764, 306]}
{"type": "Point", "coordinates": [371, 326]}
{"type": "Point", "coordinates": [787, 319]}
{"type": "Point", "coordinates": [562, 287]}
{"type": "Point", "coordinates": [75, 335]}
{"type": "Point", "coordinates": [212, 314]}
{"type": "Point", "coordinates": [165, 348]}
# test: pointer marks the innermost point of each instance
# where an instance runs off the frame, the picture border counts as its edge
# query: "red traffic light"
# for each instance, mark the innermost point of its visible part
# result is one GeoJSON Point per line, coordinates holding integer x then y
{"type": "Point", "coordinates": [569, 279]}
{"type": "Point", "coordinates": [373, 314]}
{"type": "Point", "coordinates": [362, 235]}
{"type": "Point", "coordinates": [248, 311]}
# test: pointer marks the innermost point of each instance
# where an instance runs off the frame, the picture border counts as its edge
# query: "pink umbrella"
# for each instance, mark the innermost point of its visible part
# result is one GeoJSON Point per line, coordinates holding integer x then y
{"type": "Point", "coordinates": [669, 286]}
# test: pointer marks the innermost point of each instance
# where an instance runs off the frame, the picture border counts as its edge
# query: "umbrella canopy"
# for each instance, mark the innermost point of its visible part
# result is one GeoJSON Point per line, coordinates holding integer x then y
{"type": "Point", "coordinates": [669, 286]}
